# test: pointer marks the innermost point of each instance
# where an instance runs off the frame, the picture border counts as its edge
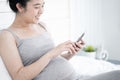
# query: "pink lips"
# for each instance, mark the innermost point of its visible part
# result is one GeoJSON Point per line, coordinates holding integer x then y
{"type": "Point", "coordinates": [37, 18]}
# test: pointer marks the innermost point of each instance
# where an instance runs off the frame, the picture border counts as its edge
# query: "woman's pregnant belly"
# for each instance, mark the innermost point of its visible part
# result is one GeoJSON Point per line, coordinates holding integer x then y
{"type": "Point", "coordinates": [58, 69]}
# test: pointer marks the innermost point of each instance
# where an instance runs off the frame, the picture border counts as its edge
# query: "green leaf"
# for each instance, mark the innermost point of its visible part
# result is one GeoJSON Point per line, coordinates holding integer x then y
{"type": "Point", "coordinates": [89, 48]}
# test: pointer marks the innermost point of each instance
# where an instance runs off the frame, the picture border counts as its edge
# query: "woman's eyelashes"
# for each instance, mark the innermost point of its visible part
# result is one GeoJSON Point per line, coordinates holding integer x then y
{"type": "Point", "coordinates": [39, 7]}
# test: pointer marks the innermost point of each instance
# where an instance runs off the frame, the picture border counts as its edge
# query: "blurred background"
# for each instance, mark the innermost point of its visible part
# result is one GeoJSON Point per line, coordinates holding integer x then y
{"type": "Point", "coordinates": [68, 19]}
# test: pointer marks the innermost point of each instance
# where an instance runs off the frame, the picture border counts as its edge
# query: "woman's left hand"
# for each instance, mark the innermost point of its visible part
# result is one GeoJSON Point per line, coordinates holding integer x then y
{"type": "Point", "coordinates": [79, 45]}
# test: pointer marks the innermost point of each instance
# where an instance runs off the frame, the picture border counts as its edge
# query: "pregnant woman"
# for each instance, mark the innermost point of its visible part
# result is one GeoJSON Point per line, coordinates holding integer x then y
{"type": "Point", "coordinates": [28, 51]}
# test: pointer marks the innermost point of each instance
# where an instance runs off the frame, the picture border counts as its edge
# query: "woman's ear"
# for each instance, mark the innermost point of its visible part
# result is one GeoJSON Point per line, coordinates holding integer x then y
{"type": "Point", "coordinates": [19, 7]}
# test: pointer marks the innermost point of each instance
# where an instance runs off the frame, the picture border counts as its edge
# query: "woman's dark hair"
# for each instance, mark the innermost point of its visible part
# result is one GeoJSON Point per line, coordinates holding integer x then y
{"type": "Point", "coordinates": [12, 4]}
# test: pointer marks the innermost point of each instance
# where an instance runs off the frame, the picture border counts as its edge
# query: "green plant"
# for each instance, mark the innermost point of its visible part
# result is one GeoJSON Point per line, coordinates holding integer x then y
{"type": "Point", "coordinates": [89, 48]}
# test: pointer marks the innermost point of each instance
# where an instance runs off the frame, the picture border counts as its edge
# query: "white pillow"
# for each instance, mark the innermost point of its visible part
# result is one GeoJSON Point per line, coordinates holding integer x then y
{"type": "Point", "coordinates": [90, 67]}
{"type": "Point", "coordinates": [4, 75]}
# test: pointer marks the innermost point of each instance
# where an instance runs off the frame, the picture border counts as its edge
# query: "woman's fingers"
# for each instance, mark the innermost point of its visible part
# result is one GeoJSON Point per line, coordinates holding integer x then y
{"type": "Point", "coordinates": [72, 48]}
{"type": "Point", "coordinates": [77, 49]}
{"type": "Point", "coordinates": [78, 45]}
{"type": "Point", "coordinates": [81, 42]}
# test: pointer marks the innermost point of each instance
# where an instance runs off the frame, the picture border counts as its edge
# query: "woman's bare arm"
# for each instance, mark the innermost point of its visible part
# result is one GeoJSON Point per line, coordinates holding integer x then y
{"type": "Point", "coordinates": [67, 55]}
{"type": "Point", "coordinates": [12, 60]}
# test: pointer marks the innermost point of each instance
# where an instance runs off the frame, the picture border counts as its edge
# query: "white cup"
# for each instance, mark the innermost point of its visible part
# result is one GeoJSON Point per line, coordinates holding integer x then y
{"type": "Point", "coordinates": [103, 55]}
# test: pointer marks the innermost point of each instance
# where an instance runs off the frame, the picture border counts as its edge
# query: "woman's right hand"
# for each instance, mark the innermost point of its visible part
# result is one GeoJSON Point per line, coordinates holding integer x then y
{"type": "Point", "coordinates": [66, 46]}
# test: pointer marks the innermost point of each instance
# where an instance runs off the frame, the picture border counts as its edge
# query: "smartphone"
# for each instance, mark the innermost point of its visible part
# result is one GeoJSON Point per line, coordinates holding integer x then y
{"type": "Point", "coordinates": [80, 37]}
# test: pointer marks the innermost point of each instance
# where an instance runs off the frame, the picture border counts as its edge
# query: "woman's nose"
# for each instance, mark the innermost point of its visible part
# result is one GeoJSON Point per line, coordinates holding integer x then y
{"type": "Point", "coordinates": [40, 10]}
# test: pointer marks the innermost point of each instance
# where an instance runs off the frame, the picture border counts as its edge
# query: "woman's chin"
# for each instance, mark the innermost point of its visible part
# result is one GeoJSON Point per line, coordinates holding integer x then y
{"type": "Point", "coordinates": [36, 21]}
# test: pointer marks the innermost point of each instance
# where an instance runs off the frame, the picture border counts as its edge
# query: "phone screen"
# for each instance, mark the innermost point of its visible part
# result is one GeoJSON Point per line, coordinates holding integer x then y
{"type": "Point", "coordinates": [81, 37]}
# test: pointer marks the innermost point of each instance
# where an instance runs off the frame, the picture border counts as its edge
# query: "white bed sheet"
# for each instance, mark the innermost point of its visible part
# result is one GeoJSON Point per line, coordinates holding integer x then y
{"type": "Point", "coordinates": [89, 67]}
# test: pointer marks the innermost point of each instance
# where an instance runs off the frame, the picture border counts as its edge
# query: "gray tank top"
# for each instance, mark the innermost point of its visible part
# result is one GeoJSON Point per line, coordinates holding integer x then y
{"type": "Point", "coordinates": [31, 49]}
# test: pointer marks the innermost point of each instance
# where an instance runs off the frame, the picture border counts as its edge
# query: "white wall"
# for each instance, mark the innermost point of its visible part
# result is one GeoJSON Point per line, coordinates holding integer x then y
{"type": "Point", "coordinates": [57, 17]}
{"type": "Point", "coordinates": [111, 26]}
{"type": "Point", "coordinates": [86, 17]}
{"type": "Point", "coordinates": [6, 15]}
{"type": "Point", "coordinates": [100, 20]}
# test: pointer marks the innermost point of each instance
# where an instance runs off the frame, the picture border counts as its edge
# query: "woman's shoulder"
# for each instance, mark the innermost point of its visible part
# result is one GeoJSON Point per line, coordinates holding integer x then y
{"type": "Point", "coordinates": [4, 35]}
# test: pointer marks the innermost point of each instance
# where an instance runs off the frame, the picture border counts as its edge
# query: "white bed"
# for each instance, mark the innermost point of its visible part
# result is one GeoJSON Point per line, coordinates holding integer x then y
{"type": "Point", "coordinates": [83, 66]}
{"type": "Point", "coordinates": [90, 67]}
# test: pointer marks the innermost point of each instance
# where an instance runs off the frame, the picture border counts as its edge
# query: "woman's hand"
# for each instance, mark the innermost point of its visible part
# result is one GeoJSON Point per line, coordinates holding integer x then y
{"type": "Point", "coordinates": [68, 46]}
{"type": "Point", "coordinates": [77, 47]}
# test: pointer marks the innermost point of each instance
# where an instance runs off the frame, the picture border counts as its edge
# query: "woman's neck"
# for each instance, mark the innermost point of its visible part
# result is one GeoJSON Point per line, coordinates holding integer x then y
{"type": "Point", "coordinates": [20, 22]}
